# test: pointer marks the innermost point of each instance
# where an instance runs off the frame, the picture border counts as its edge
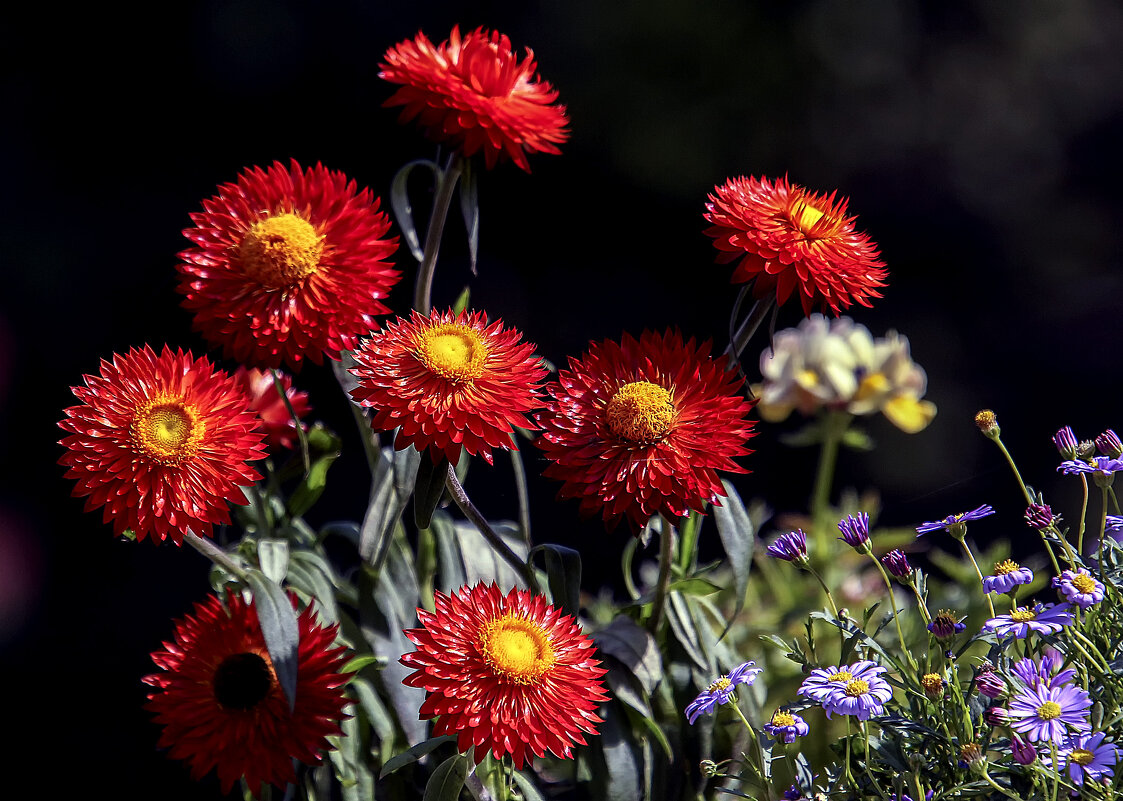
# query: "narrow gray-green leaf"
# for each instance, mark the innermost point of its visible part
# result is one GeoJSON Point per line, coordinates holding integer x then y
{"type": "Point", "coordinates": [633, 646]}
{"type": "Point", "coordinates": [526, 787]}
{"type": "Point", "coordinates": [411, 755]}
{"type": "Point", "coordinates": [273, 556]}
{"type": "Point", "coordinates": [403, 210]}
{"type": "Point", "coordinates": [470, 208]}
{"type": "Point", "coordinates": [738, 537]}
{"type": "Point", "coordinates": [278, 627]}
{"type": "Point", "coordinates": [390, 489]}
{"type": "Point", "coordinates": [563, 572]}
{"type": "Point", "coordinates": [481, 562]}
{"type": "Point", "coordinates": [450, 564]}
{"type": "Point", "coordinates": [447, 780]}
{"type": "Point", "coordinates": [428, 488]}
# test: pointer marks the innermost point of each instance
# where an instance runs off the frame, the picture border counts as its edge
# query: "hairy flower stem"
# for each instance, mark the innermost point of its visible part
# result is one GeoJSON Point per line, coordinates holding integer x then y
{"type": "Point", "coordinates": [301, 434]}
{"type": "Point", "coordinates": [666, 555]}
{"type": "Point", "coordinates": [496, 542]}
{"type": "Point", "coordinates": [759, 749]}
{"type": "Point", "coordinates": [215, 554]}
{"type": "Point", "coordinates": [866, 765]}
{"type": "Point", "coordinates": [1083, 515]}
{"type": "Point", "coordinates": [979, 573]}
{"type": "Point", "coordinates": [834, 607]}
{"type": "Point", "coordinates": [1103, 532]}
{"type": "Point", "coordinates": [442, 199]}
{"type": "Point", "coordinates": [896, 617]}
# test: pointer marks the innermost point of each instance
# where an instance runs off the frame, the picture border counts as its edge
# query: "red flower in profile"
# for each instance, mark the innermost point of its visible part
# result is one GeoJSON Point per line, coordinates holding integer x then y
{"type": "Point", "coordinates": [162, 443]}
{"type": "Point", "coordinates": [790, 239]}
{"type": "Point", "coordinates": [288, 264]}
{"type": "Point", "coordinates": [220, 703]}
{"type": "Point", "coordinates": [641, 428]}
{"type": "Point", "coordinates": [473, 92]}
{"type": "Point", "coordinates": [449, 381]}
{"type": "Point", "coordinates": [266, 402]}
{"type": "Point", "coordinates": [506, 674]}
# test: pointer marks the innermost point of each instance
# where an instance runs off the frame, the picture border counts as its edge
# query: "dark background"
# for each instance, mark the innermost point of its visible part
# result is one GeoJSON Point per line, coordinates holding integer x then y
{"type": "Point", "coordinates": [979, 144]}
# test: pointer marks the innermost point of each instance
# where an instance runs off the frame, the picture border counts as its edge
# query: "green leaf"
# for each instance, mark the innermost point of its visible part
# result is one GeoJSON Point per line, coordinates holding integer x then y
{"type": "Point", "coordinates": [634, 647]}
{"type": "Point", "coordinates": [738, 536]}
{"type": "Point", "coordinates": [526, 787]}
{"type": "Point", "coordinates": [563, 572]}
{"type": "Point", "coordinates": [355, 664]}
{"type": "Point", "coordinates": [312, 582]}
{"type": "Point", "coordinates": [447, 780]}
{"type": "Point", "coordinates": [683, 628]}
{"type": "Point", "coordinates": [450, 565]}
{"type": "Point", "coordinates": [462, 300]}
{"type": "Point", "coordinates": [278, 627]}
{"type": "Point", "coordinates": [273, 556]}
{"type": "Point", "coordinates": [403, 211]}
{"type": "Point", "coordinates": [470, 208]}
{"type": "Point", "coordinates": [411, 755]}
{"type": "Point", "coordinates": [428, 489]}
{"type": "Point", "coordinates": [390, 488]}
{"type": "Point", "coordinates": [481, 562]}
{"type": "Point", "coordinates": [622, 766]}
{"type": "Point", "coordinates": [327, 445]}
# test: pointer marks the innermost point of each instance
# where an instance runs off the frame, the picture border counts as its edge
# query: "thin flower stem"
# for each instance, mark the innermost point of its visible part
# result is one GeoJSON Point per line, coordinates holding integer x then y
{"type": "Point", "coordinates": [834, 608]}
{"type": "Point", "coordinates": [1103, 531]}
{"type": "Point", "coordinates": [923, 607]}
{"type": "Point", "coordinates": [442, 199]}
{"type": "Point", "coordinates": [896, 617]}
{"type": "Point", "coordinates": [849, 776]}
{"type": "Point", "coordinates": [978, 572]}
{"type": "Point", "coordinates": [1014, 467]}
{"type": "Point", "coordinates": [521, 491]}
{"type": "Point", "coordinates": [301, 434]}
{"type": "Point", "coordinates": [745, 331]}
{"type": "Point", "coordinates": [666, 555]}
{"type": "Point", "coordinates": [834, 427]}
{"type": "Point", "coordinates": [752, 736]}
{"type": "Point", "coordinates": [371, 444]}
{"type": "Point", "coordinates": [215, 554]}
{"type": "Point", "coordinates": [496, 542]}
{"type": "Point", "coordinates": [998, 787]}
{"type": "Point", "coordinates": [1083, 514]}
{"type": "Point", "coordinates": [866, 741]}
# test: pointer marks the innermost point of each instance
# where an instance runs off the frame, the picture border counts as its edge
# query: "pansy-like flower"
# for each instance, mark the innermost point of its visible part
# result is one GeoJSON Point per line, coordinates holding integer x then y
{"type": "Point", "coordinates": [856, 689]}
{"type": "Point", "coordinates": [1050, 713]}
{"type": "Point", "coordinates": [785, 726]}
{"type": "Point", "coordinates": [162, 443]}
{"type": "Point", "coordinates": [222, 707]}
{"type": "Point", "coordinates": [954, 523]}
{"type": "Point", "coordinates": [855, 531]}
{"type": "Point", "coordinates": [508, 674]}
{"type": "Point", "coordinates": [1020, 621]}
{"type": "Point", "coordinates": [474, 92]}
{"type": "Point", "coordinates": [642, 428]}
{"type": "Point", "coordinates": [793, 241]}
{"type": "Point", "coordinates": [1079, 587]}
{"type": "Point", "coordinates": [1086, 757]}
{"type": "Point", "coordinates": [1102, 466]}
{"type": "Point", "coordinates": [288, 264]}
{"type": "Point", "coordinates": [791, 547]}
{"type": "Point", "coordinates": [946, 624]}
{"type": "Point", "coordinates": [1008, 574]}
{"type": "Point", "coordinates": [267, 403]}
{"type": "Point", "coordinates": [449, 381]}
{"type": "Point", "coordinates": [721, 691]}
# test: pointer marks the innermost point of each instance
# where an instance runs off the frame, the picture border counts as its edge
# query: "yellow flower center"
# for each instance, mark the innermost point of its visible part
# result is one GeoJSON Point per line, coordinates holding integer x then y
{"type": "Point", "coordinates": [932, 682]}
{"type": "Point", "coordinates": [280, 251]}
{"type": "Point", "coordinates": [1081, 756]}
{"type": "Point", "coordinates": [872, 386]}
{"type": "Point", "coordinates": [841, 676]}
{"type": "Point", "coordinates": [167, 430]}
{"type": "Point", "coordinates": [721, 684]}
{"type": "Point", "coordinates": [1006, 567]}
{"type": "Point", "coordinates": [1084, 583]}
{"type": "Point", "coordinates": [516, 648]}
{"type": "Point", "coordinates": [1049, 710]}
{"type": "Point", "coordinates": [1023, 615]}
{"type": "Point", "coordinates": [781, 719]}
{"type": "Point", "coordinates": [641, 413]}
{"type": "Point", "coordinates": [453, 351]}
{"type": "Point", "coordinates": [857, 687]}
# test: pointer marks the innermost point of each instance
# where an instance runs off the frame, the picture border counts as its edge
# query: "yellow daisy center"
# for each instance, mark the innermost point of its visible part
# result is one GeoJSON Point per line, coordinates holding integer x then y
{"type": "Point", "coordinates": [721, 684]}
{"type": "Point", "coordinates": [641, 413]}
{"type": "Point", "coordinates": [1049, 710]}
{"type": "Point", "coordinates": [1081, 756]}
{"type": "Point", "coordinates": [516, 648]}
{"type": "Point", "coordinates": [1006, 567]}
{"type": "Point", "coordinates": [857, 687]}
{"type": "Point", "coordinates": [1023, 615]}
{"type": "Point", "coordinates": [1084, 583]}
{"type": "Point", "coordinates": [932, 682]}
{"type": "Point", "coordinates": [872, 385]}
{"type": "Point", "coordinates": [280, 251]}
{"type": "Point", "coordinates": [453, 351]}
{"type": "Point", "coordinates": [841, 676]}
{"type": "Point", "coordinates": [167, 430]}
{"type": "Point", "coordinates": [781, 719]}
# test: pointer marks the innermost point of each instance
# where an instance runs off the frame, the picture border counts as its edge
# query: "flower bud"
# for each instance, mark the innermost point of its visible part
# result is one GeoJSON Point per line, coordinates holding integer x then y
{"type": "Point", "coordinates": [988, 424]}
{"type": "Point", "coordinates": [989, 683]}
{"type": "Point", "coordinates": [1023, 751]}
{"type": "Point", "coordinates": [1065, 441]}
{"type": "Point", "coordinates": [897, 563]}
{"type": "Point", "coordinates": [996, 716]}
{"type": "Point", "coordinates": [1109, 445]}
{"type": "Point", "coordinates": [1040, 516]}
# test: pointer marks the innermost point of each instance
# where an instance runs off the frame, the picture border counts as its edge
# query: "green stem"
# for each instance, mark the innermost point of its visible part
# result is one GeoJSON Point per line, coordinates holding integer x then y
{"type": "Point", "coordinates": [301, 434]}
{"type": "Point", "coordinates": [1103, 531]}
{"type": "Point", "coordinates": [978, 572]}
{"type": "Point", "coordinates": [666, 554]}
{"type": "Point", "coordinates": [1083, 514]}
{"type": "Point", "coordinates": [215, 554]}
{"type": "Point", "coordinates": [873, 781]}
{"type": "Point", "coordinates": [834, 427]}
{"type": "Point", "coordinates": [999, 787]}
{"type": "Point", "coordinates": [745, 331]}
{"type": "Point", "coordinates": [896, 617]}
{"type": "Point", "coordinates": [834, 609]}
{"type": "Point", "coordinates": [1014, 467]}
{"type": "Point", "coordinates": [442, 199]}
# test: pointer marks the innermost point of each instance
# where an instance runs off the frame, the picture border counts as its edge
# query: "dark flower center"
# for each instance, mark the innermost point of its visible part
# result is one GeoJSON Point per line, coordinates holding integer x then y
{"type": "Point", "coordinates": [242, 681]}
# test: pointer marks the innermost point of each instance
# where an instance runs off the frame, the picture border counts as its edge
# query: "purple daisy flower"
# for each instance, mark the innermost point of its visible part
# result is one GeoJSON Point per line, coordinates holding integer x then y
{"type": "Point", "coordinates": [856, 531]}
{"type": "Point", "coordinates": [822, 683]}
{"type": "Point", "coordinates": [1097, 465]}
{"type": "Point", "coordinates": [1087, 756]}
{"type": "Point", "coordinates": [1047, 673]}
{"type": "Point", "coordinates": [721, 691]}
{"type": "Point", "coordinates": [1042, 619]}
{"type": "Point", "coordinates": [1115, 522]}
{"type": "Point", "coordinates": [1050, 713]}
{"type": "Point", "coordinates": [1079, 587]}
{"type": "Point", "coordinates": [791, 547]}
{"type": "Point", "coordinates": [856, 689]}
{"type": "Point", "coordinates": [946, 625]}
{"type": "Point", "coordinates": [954, 520]}
{"type": "Point", "coordinates": [898, 564]}
{"type": "Point", "coordinates": [786, 726]}
{"type": "Point", "coordinates": [1007, 575]}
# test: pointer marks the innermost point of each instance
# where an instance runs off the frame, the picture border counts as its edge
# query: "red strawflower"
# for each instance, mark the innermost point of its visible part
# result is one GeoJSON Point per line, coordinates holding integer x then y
{"type": "Point", "coordinates": [641, 428]}
{"type": "Point", "coordinates": [266, 401]}
{"type": "Point", "coordinates": [162, 443]}
{"type": "Point", "coordinates": [449, 381]}
{"type": "Point", "coordinates": [789, 239]}
{"type": "Point", "coordinates": [474, 93]}
{"type": "Point", "coordinates": [220, 703]}
{"type": "Point", "coordinates": [289, 264]}
{"type": "Point", "coordinates": [506, 674]}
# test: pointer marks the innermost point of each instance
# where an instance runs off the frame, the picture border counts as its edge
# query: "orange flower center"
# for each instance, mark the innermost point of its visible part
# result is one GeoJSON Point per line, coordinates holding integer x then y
{"type": "Point", "coordinates": [243, 680]}
{"type": "Point", "coordinates": [1084, 583]}
{"type": "Point", "coordinates": [167, 430]}
{"type": "Point", "coordinates": [452, 351]}
{"type": "Point", "coordinates": [1023, 615]}
{"type": "Point", "coordinates": [1081, 756]}
{"type": "Point", "coordinates": [641, 413]}
{"type": "Point", "coordinates": [1006, 567]}
{"type": "Point", "coordinates": [780, 719]}
{"type": "Point", "coordinates": [857, 687]}
{"type": "Point", "coordinates": [280, 251]}
{"type": "Point", "coordinates": [1049, 710]}
{"type": "Point", "coordinates": [516, 648]}
{"type": "Point", "coordinates": [840, 677]}
{"type": "Point", "coordinates": [932, 682]}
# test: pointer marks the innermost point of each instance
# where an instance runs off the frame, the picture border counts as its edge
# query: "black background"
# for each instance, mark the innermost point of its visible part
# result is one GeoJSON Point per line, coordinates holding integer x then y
{"type": "Point", "coordinates": [978, 142]}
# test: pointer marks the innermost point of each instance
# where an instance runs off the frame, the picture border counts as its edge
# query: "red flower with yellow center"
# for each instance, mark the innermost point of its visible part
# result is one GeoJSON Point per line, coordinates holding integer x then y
{"type": "Point", "coordinates": [288, 265]}
{"type": "Point", "coordinates": [792, 240]}
{"type": "Point", "coordinates": [506, 674]}
{"type": "Point", "coordinates": [221, 705]}
{"type": "Point", "coordinates": [473, 92]}
{"type": "Point", "coordinates": [161, 442]}
{"type": "Point", "coordinates": [641, 428]}
{"type": "Point", "coordinates": [449, 381]}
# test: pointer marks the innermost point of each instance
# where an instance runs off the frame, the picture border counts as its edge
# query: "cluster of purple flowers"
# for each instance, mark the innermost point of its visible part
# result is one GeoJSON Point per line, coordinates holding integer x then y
{"type": "Point", "coordinates": [856, 689]}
